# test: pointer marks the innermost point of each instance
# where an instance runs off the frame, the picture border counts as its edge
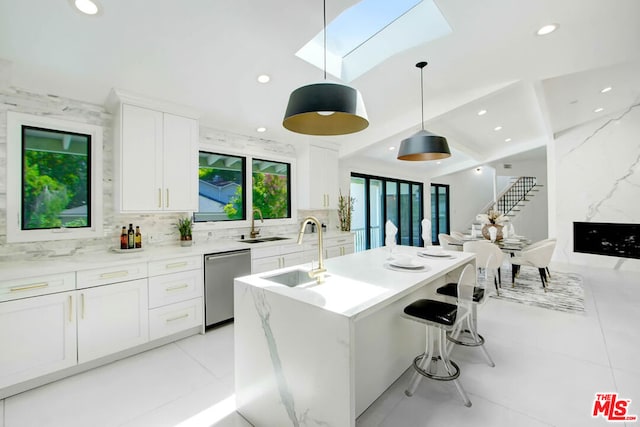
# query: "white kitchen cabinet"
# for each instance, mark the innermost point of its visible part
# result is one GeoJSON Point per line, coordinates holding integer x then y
{"type": "Point", "coordinates": [275, 257]}
{"type": "Point", "coordinates": [112, 318]}
{"type": "Point", "coordinates": [175, 295]}
{"type": "Point", "coordinates": [338, 245]}
{"type": "Point", "coordinates": [36, 285]}
{"type": "Point", "coordinates": [38, 336]}
{"type": "Point", "coordinates": [156, 157]}
{"type": "Point", "coordinates": [318, 178]}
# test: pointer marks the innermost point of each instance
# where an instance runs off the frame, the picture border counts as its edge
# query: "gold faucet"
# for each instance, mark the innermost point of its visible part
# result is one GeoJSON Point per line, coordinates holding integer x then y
{"type": "Point", "coordinates": [317, 273]}
{"type": "Point", "coordinates": [254, 233]}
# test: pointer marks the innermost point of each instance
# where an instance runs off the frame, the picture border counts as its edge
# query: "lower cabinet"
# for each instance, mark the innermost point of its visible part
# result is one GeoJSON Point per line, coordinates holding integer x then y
{"type": "Point", "coordinates": [112, 318]}
{"type": "Point", "coordinates": [174, 318]}
{"type": "Point", "coordinates": [38, 336]}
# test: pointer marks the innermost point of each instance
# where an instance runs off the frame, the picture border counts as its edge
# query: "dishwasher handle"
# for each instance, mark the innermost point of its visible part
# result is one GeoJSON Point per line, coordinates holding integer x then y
{"type": "Point", "coordinates": [223, 255]}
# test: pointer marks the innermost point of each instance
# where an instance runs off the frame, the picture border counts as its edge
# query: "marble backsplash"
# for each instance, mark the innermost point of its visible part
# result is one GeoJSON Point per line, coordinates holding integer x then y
{"type": "Point", "coordinates": [157, 229]}
{"type": "Point", "coordinates": [598, 180]}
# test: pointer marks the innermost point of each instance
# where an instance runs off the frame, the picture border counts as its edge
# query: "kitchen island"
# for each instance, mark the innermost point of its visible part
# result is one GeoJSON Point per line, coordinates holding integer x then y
{"type": "Point", "coordinates": [320, 354]}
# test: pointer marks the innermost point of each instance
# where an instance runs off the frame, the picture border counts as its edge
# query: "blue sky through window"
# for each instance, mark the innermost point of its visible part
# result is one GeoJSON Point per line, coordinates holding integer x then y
{"type": "Point", "coordinates": [371, 31]}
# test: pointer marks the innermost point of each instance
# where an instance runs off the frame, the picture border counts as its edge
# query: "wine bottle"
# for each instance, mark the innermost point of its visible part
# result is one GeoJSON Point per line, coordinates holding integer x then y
{"type": "Point", "coordinates": [124, 238]}
{"type": "Point", "coordinates": [131, 237]}
{"type": "Point", "coordinates": [138, 237]}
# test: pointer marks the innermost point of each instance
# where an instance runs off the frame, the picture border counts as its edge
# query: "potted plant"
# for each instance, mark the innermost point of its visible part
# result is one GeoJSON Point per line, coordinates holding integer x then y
{"type": "Point", "coordinates": [492, 219]}
{"type": "Point", "coordinates": [345, 207]}
{"type": "Point", "coordinates": [184, 227]}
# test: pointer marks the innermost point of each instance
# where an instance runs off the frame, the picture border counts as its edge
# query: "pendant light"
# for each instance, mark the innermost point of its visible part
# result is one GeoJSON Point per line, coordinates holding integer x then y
{"type": "Point", "coordinates": [423, 145]}
{"type": "Point", "coordinates": [325, 108]}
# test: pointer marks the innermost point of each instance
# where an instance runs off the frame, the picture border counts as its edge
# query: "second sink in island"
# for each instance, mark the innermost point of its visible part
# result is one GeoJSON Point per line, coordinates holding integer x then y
{"type": "Point", "coordinates": [320, 354]}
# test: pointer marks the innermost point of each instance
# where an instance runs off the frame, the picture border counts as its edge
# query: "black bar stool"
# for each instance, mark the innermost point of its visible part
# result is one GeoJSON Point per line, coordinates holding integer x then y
{"type": "Point", "coordinates": [440, 318]}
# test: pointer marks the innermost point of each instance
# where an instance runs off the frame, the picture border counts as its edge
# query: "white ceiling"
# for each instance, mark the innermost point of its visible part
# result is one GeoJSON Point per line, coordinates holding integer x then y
{"type": "Point", "coordinates": [207, 54]}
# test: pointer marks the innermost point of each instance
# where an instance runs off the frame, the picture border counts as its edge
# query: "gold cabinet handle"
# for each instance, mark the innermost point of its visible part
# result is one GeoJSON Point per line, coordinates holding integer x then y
{"type": "Point", "coordinates": [29, 287]}
{"type": "Point", "coordinates": [70, 309]}
{"type": "Point", "coordinates": [160, 197]}
{"type": "Point", "coordinates": [173, 319]}
{"type": "Point", "coordinates": [177, 264]}
{"type": "Point", "coordinates": [82, 306]}
{"type": "Point", "coordinates": [167, 201]}
{"type": "Point", "coordinates": [113, 274]}
{"type": "Point", "coordinates": [175, 288]}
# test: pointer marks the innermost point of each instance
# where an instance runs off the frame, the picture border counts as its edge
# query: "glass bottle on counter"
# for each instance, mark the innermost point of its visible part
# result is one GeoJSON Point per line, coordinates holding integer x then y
{"type": "Point", "coordinates": [124, 238]}
{"type": "Point", "coordinates": [131, 237]}
{"type": "Point", "coordinates": [138, 237]}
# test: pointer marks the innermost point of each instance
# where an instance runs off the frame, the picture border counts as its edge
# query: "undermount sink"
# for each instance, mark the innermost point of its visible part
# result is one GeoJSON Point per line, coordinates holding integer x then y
{"type": "Point", "coordinates": [263, 239]}
{"type": "Point", "coordinates": [292, 278]}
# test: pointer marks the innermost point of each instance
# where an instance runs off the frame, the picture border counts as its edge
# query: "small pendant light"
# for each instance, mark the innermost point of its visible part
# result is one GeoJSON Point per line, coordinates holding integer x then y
{"type": "Point", "coordinates": [423, 145]}
{"type": "Point", "coordinates": [325, 108]}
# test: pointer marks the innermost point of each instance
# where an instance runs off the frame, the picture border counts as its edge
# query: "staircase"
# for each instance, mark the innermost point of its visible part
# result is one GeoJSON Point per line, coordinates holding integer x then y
{"type": "Point", "coordinates": [514, 197]}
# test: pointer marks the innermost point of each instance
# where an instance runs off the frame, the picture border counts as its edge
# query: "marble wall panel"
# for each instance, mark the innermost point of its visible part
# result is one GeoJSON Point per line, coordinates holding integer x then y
{"type": "Point", "coordinates": [598, 180]}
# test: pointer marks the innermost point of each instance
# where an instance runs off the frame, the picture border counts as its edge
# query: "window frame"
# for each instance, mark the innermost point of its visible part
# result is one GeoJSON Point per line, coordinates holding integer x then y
{"type": "Point", "coordinates": [245, 201]}
{"type": "Point", "coordinates": [15, 162]}
{"type": "Point", "coordinates": [249, 156]}
{"type": "Point", "coordinates": [289, 185]}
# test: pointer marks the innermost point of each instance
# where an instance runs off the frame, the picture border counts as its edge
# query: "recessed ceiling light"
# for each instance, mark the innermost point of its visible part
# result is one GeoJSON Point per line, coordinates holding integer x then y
{"type": "Point", "coordinates": [482, 112]}
{"type": "Point", "coordinates": [497, 128]}
{"type": "Point", "coordinates": [261, 129]}
{"type": "Point", "coordinates": [597, 110]}
{"type": "Point", "coordinates": [437, 163]}
{"type": "Point", "coordinates": [392, 148]}
{"type": "Point", "coordinates": [507, 140]}
{"type": "Point", "coordinates": [88, 7]}
{"type": "Point", "coordinates": [263, 78]}
{"type": "Point", "coordinates": [606, 89]}
{"type": "Point", "coordinates": [478, 170]}
{"type": "Point", "coordinates": [547, 29]}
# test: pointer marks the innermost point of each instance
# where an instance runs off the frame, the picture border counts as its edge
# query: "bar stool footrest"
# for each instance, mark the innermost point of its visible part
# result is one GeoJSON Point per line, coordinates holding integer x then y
{"type": "Point", "coordinates": [467, 343]}
{"type": "Point", "coordinates": [435, 359]}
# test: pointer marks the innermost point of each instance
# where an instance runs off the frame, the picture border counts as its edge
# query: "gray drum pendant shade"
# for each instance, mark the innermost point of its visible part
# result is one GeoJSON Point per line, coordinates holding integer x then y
{"type": "Point", "coordinates": [423, 145]}
{"type": "Point", "coordinates": [325, 108]}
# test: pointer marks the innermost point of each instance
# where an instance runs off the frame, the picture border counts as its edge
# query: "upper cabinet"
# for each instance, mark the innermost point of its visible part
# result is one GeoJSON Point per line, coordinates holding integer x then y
{"type": "Point", "coordinates": [318, 178]}
{"type": "Point", "coordinates": [156, 156]}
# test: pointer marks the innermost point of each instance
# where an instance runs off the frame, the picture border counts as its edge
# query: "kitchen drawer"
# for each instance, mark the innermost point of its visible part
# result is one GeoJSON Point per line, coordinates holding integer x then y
{"type": "Point", "coordinates": [37, 285]}
{"type": "Point", "coordinates": [171, 288]}
{"type": "Point", "coordinates": [338, 241]}
{"type": "Point", "coordinates": [174, 265]}
{"type": "Point", "coordinates": [268, 251]}
{"type": "Point", "coordinates": [174, 318]}
{"type": "Point", "coordinates": [105, 275]}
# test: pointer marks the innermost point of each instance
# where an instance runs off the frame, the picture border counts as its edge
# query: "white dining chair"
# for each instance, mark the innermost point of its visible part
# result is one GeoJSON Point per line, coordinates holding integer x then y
{"type": "Point", "coordinates": [540, 243]}
{"type": "Point", "coordinates": [538, 256]}
{"type": "Point", "coordinates": [449, 243]}
{"type": "Point", "coordinates": [489, 258]}
{"type": "Point", "coordinates": [457, 235]}
{"type": "Point", "coordinates": [426, 232]}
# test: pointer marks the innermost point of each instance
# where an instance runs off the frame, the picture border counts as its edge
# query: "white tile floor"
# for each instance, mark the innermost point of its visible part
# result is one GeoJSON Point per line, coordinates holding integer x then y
{"type": "Point", "coordinates": [549, 365]}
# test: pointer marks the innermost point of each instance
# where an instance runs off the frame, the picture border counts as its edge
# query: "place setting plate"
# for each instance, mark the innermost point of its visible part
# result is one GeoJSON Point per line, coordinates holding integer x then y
{"type": "Point", "coordinates": [435, 254]}
{"type": "Point", "coordinates": [406, 264]}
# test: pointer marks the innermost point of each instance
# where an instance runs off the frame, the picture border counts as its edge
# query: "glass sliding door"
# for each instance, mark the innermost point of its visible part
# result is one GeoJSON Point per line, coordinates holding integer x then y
{"type": "Point", "coordinates": [439, 210]}
{"type": "Point", "coordinates": [376, 214]}
{"type": "Point", "coordinates": [386, 199]}
{"type": "Point", "coordinates": [416, 215]}
{"type": "Point", "coordinates": [359, 213]}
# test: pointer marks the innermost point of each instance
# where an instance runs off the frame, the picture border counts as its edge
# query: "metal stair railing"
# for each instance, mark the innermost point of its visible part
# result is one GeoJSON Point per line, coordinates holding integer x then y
{"type": "Point", "coordinates": [511, 196]}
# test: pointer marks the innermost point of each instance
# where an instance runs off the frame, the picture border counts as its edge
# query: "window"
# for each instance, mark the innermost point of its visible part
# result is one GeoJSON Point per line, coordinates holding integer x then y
{"type": "Point", "coordinates": [223, 189]}
{"type": "Point", "coordinates": [439, 211]}
{"type": "Point", "coordinates": [271, 188]}
{"type": "Point", "coordinates": [221, 184]}
{"type": "Point", "coordinates": [54, 179]}
{"type": "Point", "coordinates": [381, 199]}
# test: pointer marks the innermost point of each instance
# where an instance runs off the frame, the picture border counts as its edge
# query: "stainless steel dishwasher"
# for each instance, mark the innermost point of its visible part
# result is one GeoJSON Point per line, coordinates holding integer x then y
{"type": "Point", "coordinates": [219, 271]}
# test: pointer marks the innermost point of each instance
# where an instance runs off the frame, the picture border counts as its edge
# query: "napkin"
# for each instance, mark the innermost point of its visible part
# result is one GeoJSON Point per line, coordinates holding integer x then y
{"type": "Point", "coordinates": [426, 232]}
{"type": "Point", "coordinates": [512, 231]}
{"type": "Point", "coordinates": [474, 233]}
{"type": "Point", "coordinates": [505, 232]}
{"type": "Point", "coordinates": [390, 231]}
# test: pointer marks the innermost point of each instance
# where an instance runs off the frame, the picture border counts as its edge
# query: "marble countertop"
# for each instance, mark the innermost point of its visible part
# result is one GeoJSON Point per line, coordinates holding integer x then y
{"type": "Point", "coordinates": [360, 283]}
{"type": "Point", "coordinates": [37, 267]}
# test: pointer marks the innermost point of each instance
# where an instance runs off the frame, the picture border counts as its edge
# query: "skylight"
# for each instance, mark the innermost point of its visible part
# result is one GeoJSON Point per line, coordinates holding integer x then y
{"type": "Point", "coordinates": [372, 31]}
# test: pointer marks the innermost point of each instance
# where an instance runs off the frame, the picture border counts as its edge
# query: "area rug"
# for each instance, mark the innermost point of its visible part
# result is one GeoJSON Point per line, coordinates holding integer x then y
{"type": "Point", "coordinates": [564, 290]}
